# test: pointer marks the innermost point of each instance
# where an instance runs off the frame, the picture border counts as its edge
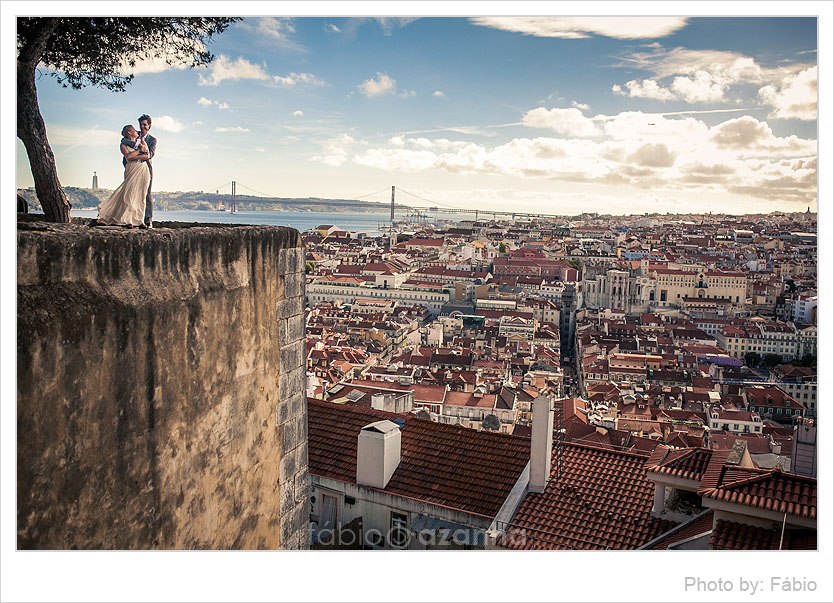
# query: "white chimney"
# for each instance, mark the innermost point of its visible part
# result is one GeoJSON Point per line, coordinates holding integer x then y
{"type": "Point", "coordinates": [541, 444]}
{"type": "Point", "coordinates": [379, 400]}
{"type": "Point", "coordinates": [377, 453]}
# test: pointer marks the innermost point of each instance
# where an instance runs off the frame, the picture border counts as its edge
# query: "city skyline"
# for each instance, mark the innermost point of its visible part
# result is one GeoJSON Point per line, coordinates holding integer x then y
{"type": "Point", "coordinates": [558, 114]}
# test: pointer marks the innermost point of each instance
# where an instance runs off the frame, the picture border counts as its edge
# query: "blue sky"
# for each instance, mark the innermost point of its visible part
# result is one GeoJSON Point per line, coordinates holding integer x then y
{"type": "Point", "coordinates": [552, 114]}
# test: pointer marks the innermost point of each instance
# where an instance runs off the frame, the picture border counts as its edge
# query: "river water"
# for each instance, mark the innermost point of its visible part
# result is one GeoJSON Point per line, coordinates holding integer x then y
{"type": "Point", "coordinates": [370, 223]}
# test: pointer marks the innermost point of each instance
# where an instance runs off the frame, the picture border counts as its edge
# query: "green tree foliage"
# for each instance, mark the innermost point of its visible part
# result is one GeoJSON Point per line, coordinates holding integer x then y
{"type": "Point", "coordinates": [808, 360]}
{"type": "Point", "coordinates": [752, 359]}
{"type": "Point", "coordinates": [771, 360]}
{"type": "Point", "coordinates": [93, 51]}
{"type": "Point", "coordinates": [502, 248]}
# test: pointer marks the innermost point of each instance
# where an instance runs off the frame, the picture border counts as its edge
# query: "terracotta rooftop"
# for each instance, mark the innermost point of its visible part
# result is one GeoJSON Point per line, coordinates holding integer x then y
{"type": "Point", "coordinates": [699, 525]}
{"type": "Point", "coordinates": [686, 463]}
{"type": "Point", "coordinates": [600, 499]}
{"type": "Point", "coordinates": [441, 464]}
{"type": "Point", "coordinates": [743, 537]}
{"type": "Point", "coordinates": [768, 489]}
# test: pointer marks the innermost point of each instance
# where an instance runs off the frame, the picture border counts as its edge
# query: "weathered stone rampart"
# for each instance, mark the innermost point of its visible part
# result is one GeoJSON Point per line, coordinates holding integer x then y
{"type": "Point", "coordinates": [160, 392]}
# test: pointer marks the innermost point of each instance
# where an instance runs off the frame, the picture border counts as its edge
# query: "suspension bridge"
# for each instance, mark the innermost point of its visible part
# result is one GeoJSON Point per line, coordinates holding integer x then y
{"type": "Point", "coordinates": [415, 208]}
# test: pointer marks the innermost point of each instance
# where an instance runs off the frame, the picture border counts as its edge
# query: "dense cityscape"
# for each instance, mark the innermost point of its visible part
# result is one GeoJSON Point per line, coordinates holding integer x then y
{"type": "Point", "coordinates": [555, 287]}
{"type": "Point", "coordinates": [675, 355]}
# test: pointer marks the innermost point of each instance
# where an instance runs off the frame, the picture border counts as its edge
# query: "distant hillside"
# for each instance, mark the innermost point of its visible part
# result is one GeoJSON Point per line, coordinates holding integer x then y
{"type": "Point", "coordinates": [82, 198]}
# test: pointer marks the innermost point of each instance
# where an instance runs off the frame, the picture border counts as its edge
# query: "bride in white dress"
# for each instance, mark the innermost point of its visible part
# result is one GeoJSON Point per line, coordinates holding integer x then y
{"type": "Point", "coordinates": [126, 206]}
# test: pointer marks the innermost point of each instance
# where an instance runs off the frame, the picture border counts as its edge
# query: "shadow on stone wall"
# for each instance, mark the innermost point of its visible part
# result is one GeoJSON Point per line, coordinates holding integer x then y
{"type": "Point", "coordinates": [160, 387]}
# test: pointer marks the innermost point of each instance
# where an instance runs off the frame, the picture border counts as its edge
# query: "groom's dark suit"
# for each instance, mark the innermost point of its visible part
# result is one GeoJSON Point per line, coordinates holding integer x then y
{"type": "Point", "coordinates": [151, 142]}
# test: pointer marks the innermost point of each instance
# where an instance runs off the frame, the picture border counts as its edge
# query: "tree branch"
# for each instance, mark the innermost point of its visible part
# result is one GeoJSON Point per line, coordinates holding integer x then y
{"type": "Point", "coordinates": [32, 51]}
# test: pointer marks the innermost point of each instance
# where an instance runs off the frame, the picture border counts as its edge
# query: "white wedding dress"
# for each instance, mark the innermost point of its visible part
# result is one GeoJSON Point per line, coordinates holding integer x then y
{"type": "Point", "coordinates": [126, 206]}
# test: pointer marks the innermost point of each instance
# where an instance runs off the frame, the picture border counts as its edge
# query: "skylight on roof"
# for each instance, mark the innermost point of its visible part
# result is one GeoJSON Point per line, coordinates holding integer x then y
{"type": "Point", "coordinates": [355, 395]}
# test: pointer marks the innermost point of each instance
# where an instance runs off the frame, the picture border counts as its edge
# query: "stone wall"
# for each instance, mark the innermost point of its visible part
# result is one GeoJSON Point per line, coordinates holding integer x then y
{"type": "Point", "coordinates": [161, 387]}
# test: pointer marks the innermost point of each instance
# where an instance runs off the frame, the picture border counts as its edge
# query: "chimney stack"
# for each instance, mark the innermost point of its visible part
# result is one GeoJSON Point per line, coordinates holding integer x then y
{"type": "Point", "coordinates": [541, 444]}
{"type": "Point", "coordinates": [377, 453]}
{"type": "Point", "coordinates": [381, 401]}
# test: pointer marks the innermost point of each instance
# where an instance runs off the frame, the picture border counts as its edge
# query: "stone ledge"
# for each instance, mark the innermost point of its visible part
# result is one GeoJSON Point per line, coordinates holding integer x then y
{"type": "Point", "coordinates": [146, 381]}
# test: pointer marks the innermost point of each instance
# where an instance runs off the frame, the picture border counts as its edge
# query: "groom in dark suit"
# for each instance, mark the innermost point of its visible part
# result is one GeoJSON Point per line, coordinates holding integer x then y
{"type": "Point", "coordinates": [145, 123]}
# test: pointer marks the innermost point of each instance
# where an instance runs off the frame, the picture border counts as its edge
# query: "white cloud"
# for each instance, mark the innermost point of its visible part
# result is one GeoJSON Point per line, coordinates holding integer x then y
{"type": "Point", "coordinates": [155, 64]}
{"type": "Point", "coordinates": [438, 94]}
{"type": "Point", "coordinates": [260, 149]}
{"type": "Point", "coordinates": [332, 28]}
{"type": "Point", "coordinates": [407, 94]}
{"type": "Point", "coordinates": [293, 79]}
{"type": "Point", "coordinates": [223, 68]}
{"type": "Point", "coordinates": [231, 129]}
{"type": "Point", "coordinates": [405, 160]}
{"type": "Point", "coordinates": [653, 155]}
{"type": "Point", "coordinates": [570, 122]}
{"type": "Point", "coordinates": [668, 62]}
{"type": "Point", "coordinates": [167, 123]}
{"type": "Point", "coordinates": [276, 31]}
{"type": "Point", "coordinates": [795, 97]}
{"type": "Point", "coordinates": [389, 24]}
{"type": "Point", "coordinates": [749, 137]}
{"type": "Point", "coordinates": [699, 87]}
{"type": "Point", "coordinates": [335, 150]}
{"type": "Point", "coordinates": [666, 155]}
{"type": "Point", "coordinates": [207, 102]}
{"type": "Point", "coordinates": [60, 136]}
{"type": "Point", "coordinates": [580, 106]}
{"type": "Point", "coordinates": [383, 84]}
{"type": "Point", "coordinates": [644, 89]}
{"type": "Point", "coordinates": [627, 28]}
{"type": "Point", "coordinates": [298, 113]}
{"type": "Point", "coordinates": [710, 76]}
{"type": "Point", "coordinates": [197, 123]}
{"type": "Point", "coordinates": [702, 87]}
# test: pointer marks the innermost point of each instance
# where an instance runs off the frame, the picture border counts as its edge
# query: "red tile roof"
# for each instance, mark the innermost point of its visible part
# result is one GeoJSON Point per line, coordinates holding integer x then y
{"type": "Point", "coordinates": [687, 463]}
{"type": "Point", "coordinates": [597, 499]}
{"type": "Point", "coordinates": [447, 465]}
{"type": "Point", "coordinates": [470, 399]}
{"type": "Point", "coordinates": [756, 443]}
{"type": "Point", "coordinates": [744, 537]}
{"type": "Point", "coordinates": [768, 489]}
{"type": "Point", "coordinates": [699, 525]}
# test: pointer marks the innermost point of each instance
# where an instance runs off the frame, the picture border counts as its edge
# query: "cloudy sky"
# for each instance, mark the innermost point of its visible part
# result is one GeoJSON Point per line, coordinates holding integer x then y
{"type": "Point", "coordinates": [559, 115]}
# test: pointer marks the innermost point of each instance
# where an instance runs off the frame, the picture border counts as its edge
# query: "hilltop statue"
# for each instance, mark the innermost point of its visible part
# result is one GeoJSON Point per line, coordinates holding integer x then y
{"type": "Point", "coordinates": [99, 51]}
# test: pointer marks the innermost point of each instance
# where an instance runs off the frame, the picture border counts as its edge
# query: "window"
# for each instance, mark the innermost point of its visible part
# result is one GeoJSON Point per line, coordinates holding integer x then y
{"type": "Point", "coordinates": [328, 512]}
{"type": "Point", "coordinates": [398, 536]}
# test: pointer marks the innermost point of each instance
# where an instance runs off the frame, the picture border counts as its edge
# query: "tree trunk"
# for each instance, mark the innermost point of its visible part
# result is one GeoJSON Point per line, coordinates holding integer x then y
{"type": "Point", "coordinates": [32, 131]}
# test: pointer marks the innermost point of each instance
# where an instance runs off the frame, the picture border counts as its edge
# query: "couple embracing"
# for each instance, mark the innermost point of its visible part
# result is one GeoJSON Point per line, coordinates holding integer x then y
{"type": "Point", "coordinates": [131, 204]}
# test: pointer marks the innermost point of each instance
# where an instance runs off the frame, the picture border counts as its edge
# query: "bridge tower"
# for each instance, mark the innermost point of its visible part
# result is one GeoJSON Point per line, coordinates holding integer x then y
{"type": "Point", "coordinates": [392, 204]}
{"type": "Point", "coordinates": [233, 209]}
